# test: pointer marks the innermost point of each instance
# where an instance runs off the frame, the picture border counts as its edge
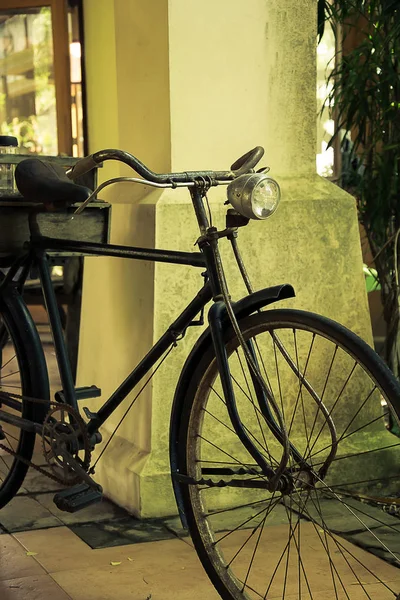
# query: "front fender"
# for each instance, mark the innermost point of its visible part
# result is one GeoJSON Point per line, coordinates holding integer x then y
{"type": "Point", "coordinates": [245, 307]}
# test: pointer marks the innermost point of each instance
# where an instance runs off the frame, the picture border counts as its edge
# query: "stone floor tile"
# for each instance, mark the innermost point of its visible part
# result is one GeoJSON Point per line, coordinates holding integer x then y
{"type": "Point", "coordinates": [56, 549]}
{"type": "Point", "coordinates": [61, 550]}
{"type": "Point", "coordinates": [36, 482]}
{"type": "Point", "coordinates": [24, 513]}
{"type": "Point", "coordinates": [174, 524]}
{"type": "Point", "coordinates": [101, 511]}
{"type": "Point", "coordinates": [112, 583]}
{"type": "Point", "coordinates": [14, 561]}
{"type": "Point", "coordinates": [36, 587]}
{"type": "Point", "coordinates": [167, 570]}
{"type": "Point", "coordinates": [121, 531]}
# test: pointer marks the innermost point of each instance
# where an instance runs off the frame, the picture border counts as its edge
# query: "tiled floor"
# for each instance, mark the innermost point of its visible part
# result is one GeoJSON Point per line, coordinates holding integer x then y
{"type": "Point", "coordinates": [104, 553]}
{"type": "Point", "coordinates": [101, 525]}
{"type": "Point", "coordinates": [56, 564]}
{"type": "Point", "coordinates": [99, 553]}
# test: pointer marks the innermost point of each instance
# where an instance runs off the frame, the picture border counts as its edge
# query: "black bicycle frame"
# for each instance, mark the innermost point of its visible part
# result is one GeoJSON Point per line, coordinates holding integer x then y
{"type": "Point", "coordinates": [39, 247]}
{"type": "Point", "coordinates": [176, 329]}
{"type": "Point", "coordinates": [207, 258]}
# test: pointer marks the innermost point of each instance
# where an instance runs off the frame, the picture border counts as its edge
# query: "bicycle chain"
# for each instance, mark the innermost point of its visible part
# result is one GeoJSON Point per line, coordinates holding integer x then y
{"type": "Point", "coordinates": [31, 464]}
{"type": "Point", "coordinates": [50, 403]}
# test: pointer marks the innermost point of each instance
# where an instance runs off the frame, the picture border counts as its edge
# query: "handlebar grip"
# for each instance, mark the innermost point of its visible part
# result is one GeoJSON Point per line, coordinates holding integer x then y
{"type": "Point", "coordinates": [84, 165]}
{"type": "Point", "coordinates": [248, 160]}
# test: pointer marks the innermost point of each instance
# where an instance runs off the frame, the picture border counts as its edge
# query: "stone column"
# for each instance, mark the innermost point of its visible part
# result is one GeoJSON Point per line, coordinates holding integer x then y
{"type": "Point", "coordinates": [184, 89]}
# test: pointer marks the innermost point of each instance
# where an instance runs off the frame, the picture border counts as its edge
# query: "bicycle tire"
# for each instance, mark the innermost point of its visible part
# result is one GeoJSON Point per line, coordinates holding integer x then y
{"type": "Point", "coordinates": [220, 521]}
{"type": "Point", "coordinates": [23, 372]}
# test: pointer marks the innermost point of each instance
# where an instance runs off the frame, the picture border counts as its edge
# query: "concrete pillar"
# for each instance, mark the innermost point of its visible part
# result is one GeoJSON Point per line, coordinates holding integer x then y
{"type": "Point", "coordinates": [184, 88]}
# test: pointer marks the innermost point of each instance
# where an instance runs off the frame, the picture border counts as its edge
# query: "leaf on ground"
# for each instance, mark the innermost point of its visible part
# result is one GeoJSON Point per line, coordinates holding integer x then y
{"type": "Point", "coordinates": [31, 553]}
{"type": "Point", "coordinates": [129, 558]}
{"type": "Point", "coordinates": [114, 563]}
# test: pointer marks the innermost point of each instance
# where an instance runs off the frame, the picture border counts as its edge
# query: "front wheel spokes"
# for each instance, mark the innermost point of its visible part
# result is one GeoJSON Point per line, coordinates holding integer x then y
{"type": "Point", "coordinates": [250, 396]}
{"type": "Point", "coordinates": [261, 529]}
{"type": "Point", "coordinates": [362, 512]}
{"type": "Point", "coordinates": [364, 525]}
{"type": "Point", "coordinates": [241, 525]}
{"type": "Point", "coordinates": [326, 547]}
{"type": "Point", "coordinates": [250, 433]}
{"type": "Point", "coordinates": [281, 557]}
{"type": "Point", "coordinates": [340, 546]}
{"type": "Point", "coordinates": [266, 412]}
{"type": "Point", "coordinates": [305, 383]}
{"type": "Point", "coordinates": [314, 538]}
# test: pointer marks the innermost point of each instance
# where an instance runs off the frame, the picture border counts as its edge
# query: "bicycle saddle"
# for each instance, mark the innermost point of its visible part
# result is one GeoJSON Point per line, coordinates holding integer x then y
{"type": "Point", "coordinates": [48, 184]}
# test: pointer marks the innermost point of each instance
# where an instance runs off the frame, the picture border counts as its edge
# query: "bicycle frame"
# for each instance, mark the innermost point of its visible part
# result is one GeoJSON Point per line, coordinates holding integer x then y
{"type": "Point", "coordinates": [207, 258]}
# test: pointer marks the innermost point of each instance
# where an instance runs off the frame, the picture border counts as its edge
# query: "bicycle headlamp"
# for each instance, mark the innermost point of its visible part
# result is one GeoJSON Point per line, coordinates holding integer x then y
{"type": "Point", "coordinates": [254, 195]}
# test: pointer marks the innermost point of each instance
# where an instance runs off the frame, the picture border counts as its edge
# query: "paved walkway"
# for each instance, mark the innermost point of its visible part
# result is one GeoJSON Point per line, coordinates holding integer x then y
{"type": "Point", "coordinates": [55, 564]}
{"type": "Point", "coordinates": [104, 553]}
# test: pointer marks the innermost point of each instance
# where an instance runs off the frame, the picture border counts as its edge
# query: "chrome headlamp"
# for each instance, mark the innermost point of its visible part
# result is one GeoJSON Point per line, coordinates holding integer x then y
{"type": "Point", "coordinates": [254, 195]}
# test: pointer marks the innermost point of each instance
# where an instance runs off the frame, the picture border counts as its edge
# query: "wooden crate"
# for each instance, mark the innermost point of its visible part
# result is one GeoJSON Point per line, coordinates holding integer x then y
{"type": "Point", "coordinates": [93, 224]}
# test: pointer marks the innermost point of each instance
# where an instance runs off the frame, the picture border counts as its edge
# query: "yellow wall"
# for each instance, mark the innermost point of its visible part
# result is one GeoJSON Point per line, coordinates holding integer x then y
{"type": "Point", "coordinates": [187, 85]}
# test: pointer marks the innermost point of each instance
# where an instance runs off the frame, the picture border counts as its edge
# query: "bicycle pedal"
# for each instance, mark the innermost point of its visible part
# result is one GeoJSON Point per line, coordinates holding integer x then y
{"type": "Point", "coordinates": [81, 393]}
{"type": "Point", "coordinates": [79, 496]}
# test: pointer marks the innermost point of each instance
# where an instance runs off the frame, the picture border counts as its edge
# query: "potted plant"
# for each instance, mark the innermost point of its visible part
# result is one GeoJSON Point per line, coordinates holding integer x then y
{"type": "Point", "coordinates": [365, 98]}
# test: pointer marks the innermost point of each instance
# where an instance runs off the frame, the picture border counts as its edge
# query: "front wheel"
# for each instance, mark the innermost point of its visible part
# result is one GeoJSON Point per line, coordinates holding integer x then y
{"type": "Point", "coordinates": [324, 534]}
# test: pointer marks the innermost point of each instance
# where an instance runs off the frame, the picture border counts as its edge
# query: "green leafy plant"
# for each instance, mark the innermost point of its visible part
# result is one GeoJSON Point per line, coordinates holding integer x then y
{"type": "Point", "coordinates": [365, 99]}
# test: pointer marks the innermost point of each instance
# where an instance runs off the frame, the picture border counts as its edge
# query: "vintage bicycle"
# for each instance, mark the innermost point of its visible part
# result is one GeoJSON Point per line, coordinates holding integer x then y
{"type": "Point", "coordinates": [280, 459]}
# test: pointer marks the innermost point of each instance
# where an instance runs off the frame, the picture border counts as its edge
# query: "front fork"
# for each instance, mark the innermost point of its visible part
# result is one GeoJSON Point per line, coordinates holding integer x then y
{"type": "Point", "coordinates": [208, 244]}
{"type": "Point", "coordinates": [217, 319]}
{"type": "Point", "coordinates": [267, 405]}
{"type": "Point", "coordinates": [215, 315]}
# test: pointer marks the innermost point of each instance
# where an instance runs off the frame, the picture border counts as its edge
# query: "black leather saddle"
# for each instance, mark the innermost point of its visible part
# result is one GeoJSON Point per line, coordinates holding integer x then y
{"type": "Point", "coordinates": [47, 183]}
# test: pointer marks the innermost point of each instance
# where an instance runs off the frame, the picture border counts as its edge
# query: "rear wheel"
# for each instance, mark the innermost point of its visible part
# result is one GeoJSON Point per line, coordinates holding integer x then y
{"type": "Point", "coordinates": [325, 536]}
{"type": "Point", "coordinates": [23, 372]}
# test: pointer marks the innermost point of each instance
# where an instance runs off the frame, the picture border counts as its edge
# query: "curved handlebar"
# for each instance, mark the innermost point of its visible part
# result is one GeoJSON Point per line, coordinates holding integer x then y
{"type": "Point", "coordinates": [242, 165]}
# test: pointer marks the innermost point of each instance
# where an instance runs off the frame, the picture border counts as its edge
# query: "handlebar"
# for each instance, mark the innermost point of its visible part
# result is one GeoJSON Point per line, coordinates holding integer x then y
{"type": "Point", "coordinates": [243, 165]}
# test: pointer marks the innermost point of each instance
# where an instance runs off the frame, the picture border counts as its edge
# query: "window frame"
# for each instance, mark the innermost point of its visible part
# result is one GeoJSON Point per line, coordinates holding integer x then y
{"type": "Point", "coordinates": [59, 22]}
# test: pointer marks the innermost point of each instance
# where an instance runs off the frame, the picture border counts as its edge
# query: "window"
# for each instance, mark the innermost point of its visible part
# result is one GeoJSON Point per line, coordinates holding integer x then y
{"type": "Point", "coordinates": [40, 76]}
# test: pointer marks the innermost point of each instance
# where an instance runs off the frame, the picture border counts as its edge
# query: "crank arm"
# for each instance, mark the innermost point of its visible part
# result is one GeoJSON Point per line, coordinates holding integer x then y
{"type": "Point", "coordinates": [76, 467]}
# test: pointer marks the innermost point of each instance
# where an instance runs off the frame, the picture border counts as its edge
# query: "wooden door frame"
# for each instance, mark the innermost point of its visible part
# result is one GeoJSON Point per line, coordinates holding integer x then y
{"type": "Point", "coordinates": [59, 21]}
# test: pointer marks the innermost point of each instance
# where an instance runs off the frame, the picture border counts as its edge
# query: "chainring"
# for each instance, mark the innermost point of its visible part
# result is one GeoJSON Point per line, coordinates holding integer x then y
{"type": "Point", "coordinates": [64, 432]}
